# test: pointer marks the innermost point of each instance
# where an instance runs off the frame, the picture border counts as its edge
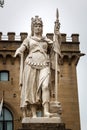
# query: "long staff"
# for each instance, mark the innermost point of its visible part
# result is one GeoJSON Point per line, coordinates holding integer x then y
{"type": "Point", "coordinates": [56, 40]}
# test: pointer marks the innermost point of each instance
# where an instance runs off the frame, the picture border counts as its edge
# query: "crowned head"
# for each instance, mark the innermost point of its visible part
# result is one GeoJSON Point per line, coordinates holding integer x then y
{"type": "Point", "coordinates": [35, 21]}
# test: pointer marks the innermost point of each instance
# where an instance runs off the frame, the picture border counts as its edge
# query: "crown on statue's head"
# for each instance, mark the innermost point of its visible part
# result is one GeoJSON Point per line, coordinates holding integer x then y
{"type": "Point", "coordinates": [36, 20]}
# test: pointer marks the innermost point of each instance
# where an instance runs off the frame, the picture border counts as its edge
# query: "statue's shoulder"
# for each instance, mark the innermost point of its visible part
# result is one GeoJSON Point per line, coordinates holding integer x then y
{"type": "Point", "coordinates": [28, 39]}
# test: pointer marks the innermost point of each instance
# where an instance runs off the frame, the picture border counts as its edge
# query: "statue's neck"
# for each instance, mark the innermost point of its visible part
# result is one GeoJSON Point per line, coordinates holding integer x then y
{"type": "Point", "coordinates": [38, 36]}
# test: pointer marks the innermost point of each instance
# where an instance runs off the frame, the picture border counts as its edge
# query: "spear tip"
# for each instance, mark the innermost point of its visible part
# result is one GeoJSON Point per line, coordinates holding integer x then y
{"type": "Point", "coordinates": [57, 14]}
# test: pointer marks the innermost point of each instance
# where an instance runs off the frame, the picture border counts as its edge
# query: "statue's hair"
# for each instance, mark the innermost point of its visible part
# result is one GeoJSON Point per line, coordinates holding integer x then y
{"type": "Point", "coordinates": [35, 21]}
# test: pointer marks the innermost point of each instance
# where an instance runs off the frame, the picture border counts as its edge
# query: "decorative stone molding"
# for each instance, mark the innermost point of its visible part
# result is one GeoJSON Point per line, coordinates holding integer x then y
{"type": "Point", "coordinates": [70, 58]}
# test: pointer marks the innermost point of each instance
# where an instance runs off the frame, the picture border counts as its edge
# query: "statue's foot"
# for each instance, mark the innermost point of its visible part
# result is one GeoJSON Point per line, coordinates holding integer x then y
{"type": "Point", "coordinates": [47, 114]}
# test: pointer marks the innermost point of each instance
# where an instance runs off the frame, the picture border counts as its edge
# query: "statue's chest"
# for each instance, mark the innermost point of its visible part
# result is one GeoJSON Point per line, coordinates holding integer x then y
{"type": "Point", "coordinates": [40, 44]}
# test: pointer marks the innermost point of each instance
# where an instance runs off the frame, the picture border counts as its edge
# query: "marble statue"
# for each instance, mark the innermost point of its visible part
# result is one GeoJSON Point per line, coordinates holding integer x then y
{"type": "Point", "coordinates": [36, 69]}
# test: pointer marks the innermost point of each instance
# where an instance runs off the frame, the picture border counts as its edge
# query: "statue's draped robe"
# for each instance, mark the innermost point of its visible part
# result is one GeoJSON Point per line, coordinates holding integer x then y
{"type": "Point", "coordinates": [36, 69]}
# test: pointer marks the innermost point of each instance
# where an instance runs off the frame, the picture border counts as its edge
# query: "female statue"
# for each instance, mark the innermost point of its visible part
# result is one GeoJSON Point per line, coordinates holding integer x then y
{"type": "Point", "coordinates": [36, 72]}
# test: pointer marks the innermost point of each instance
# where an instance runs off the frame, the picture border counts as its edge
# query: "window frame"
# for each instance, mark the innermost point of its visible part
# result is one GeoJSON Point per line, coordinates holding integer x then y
{"type": "Point", "coordinates": [4, 71]}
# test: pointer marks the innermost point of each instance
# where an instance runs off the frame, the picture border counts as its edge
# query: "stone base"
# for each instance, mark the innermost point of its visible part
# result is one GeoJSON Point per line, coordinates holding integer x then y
{"type": "Point", "coordinates": [28, 120]}
{"type": "Point", "coordinates": [42, 124]}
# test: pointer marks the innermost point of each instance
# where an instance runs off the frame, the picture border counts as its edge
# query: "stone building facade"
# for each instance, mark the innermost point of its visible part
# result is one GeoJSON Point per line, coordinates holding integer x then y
{"type": "Point", "coordinates": [9, 81]}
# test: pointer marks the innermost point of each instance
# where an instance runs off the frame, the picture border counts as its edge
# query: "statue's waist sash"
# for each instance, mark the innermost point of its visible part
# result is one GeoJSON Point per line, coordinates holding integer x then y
{"type": "Point", "coordinates": [37, 60]}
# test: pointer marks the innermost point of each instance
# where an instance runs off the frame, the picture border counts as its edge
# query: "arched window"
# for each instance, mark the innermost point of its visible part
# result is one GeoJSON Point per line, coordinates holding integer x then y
{"type": "Point", "coordinates": [4, 75]}
{"type": "Point", "coordinates": [6, 120]}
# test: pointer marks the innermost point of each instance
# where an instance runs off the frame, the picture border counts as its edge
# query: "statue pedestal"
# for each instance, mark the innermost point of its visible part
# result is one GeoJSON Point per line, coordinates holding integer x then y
{"type": "Point", "coordinates": [28, 120]}
{"type": "Point", "coordinates": [42, 123]}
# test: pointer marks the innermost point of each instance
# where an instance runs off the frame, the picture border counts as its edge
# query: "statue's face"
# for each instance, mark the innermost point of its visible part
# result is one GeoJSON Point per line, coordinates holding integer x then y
{"type": "Point", "coordinates": [38, 29]}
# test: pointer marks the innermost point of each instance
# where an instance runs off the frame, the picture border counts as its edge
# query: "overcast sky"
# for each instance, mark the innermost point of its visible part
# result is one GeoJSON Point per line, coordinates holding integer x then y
{"type": "Point", "coordinates": [16, 17]}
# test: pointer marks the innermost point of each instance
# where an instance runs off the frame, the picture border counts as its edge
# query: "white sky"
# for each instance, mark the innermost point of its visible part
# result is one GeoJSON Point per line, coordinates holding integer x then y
{"type": "Point", "coordinates": [16, 17]}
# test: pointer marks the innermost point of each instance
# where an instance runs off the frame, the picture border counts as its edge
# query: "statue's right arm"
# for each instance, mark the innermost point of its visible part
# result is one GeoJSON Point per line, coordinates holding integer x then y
{"type": "Point", "coordinates": [22, 48]}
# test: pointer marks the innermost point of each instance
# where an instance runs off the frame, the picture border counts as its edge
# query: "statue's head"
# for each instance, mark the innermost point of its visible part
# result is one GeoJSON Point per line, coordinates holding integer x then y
{"type": "Point", "coordinates": [35, 21]}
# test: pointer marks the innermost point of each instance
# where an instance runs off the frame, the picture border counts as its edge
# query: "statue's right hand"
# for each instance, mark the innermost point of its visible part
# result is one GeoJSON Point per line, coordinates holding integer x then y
{"type": "Point", "coordinates": [14, 55]}
{"type": "Point", "coordinates": [18, 52]}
